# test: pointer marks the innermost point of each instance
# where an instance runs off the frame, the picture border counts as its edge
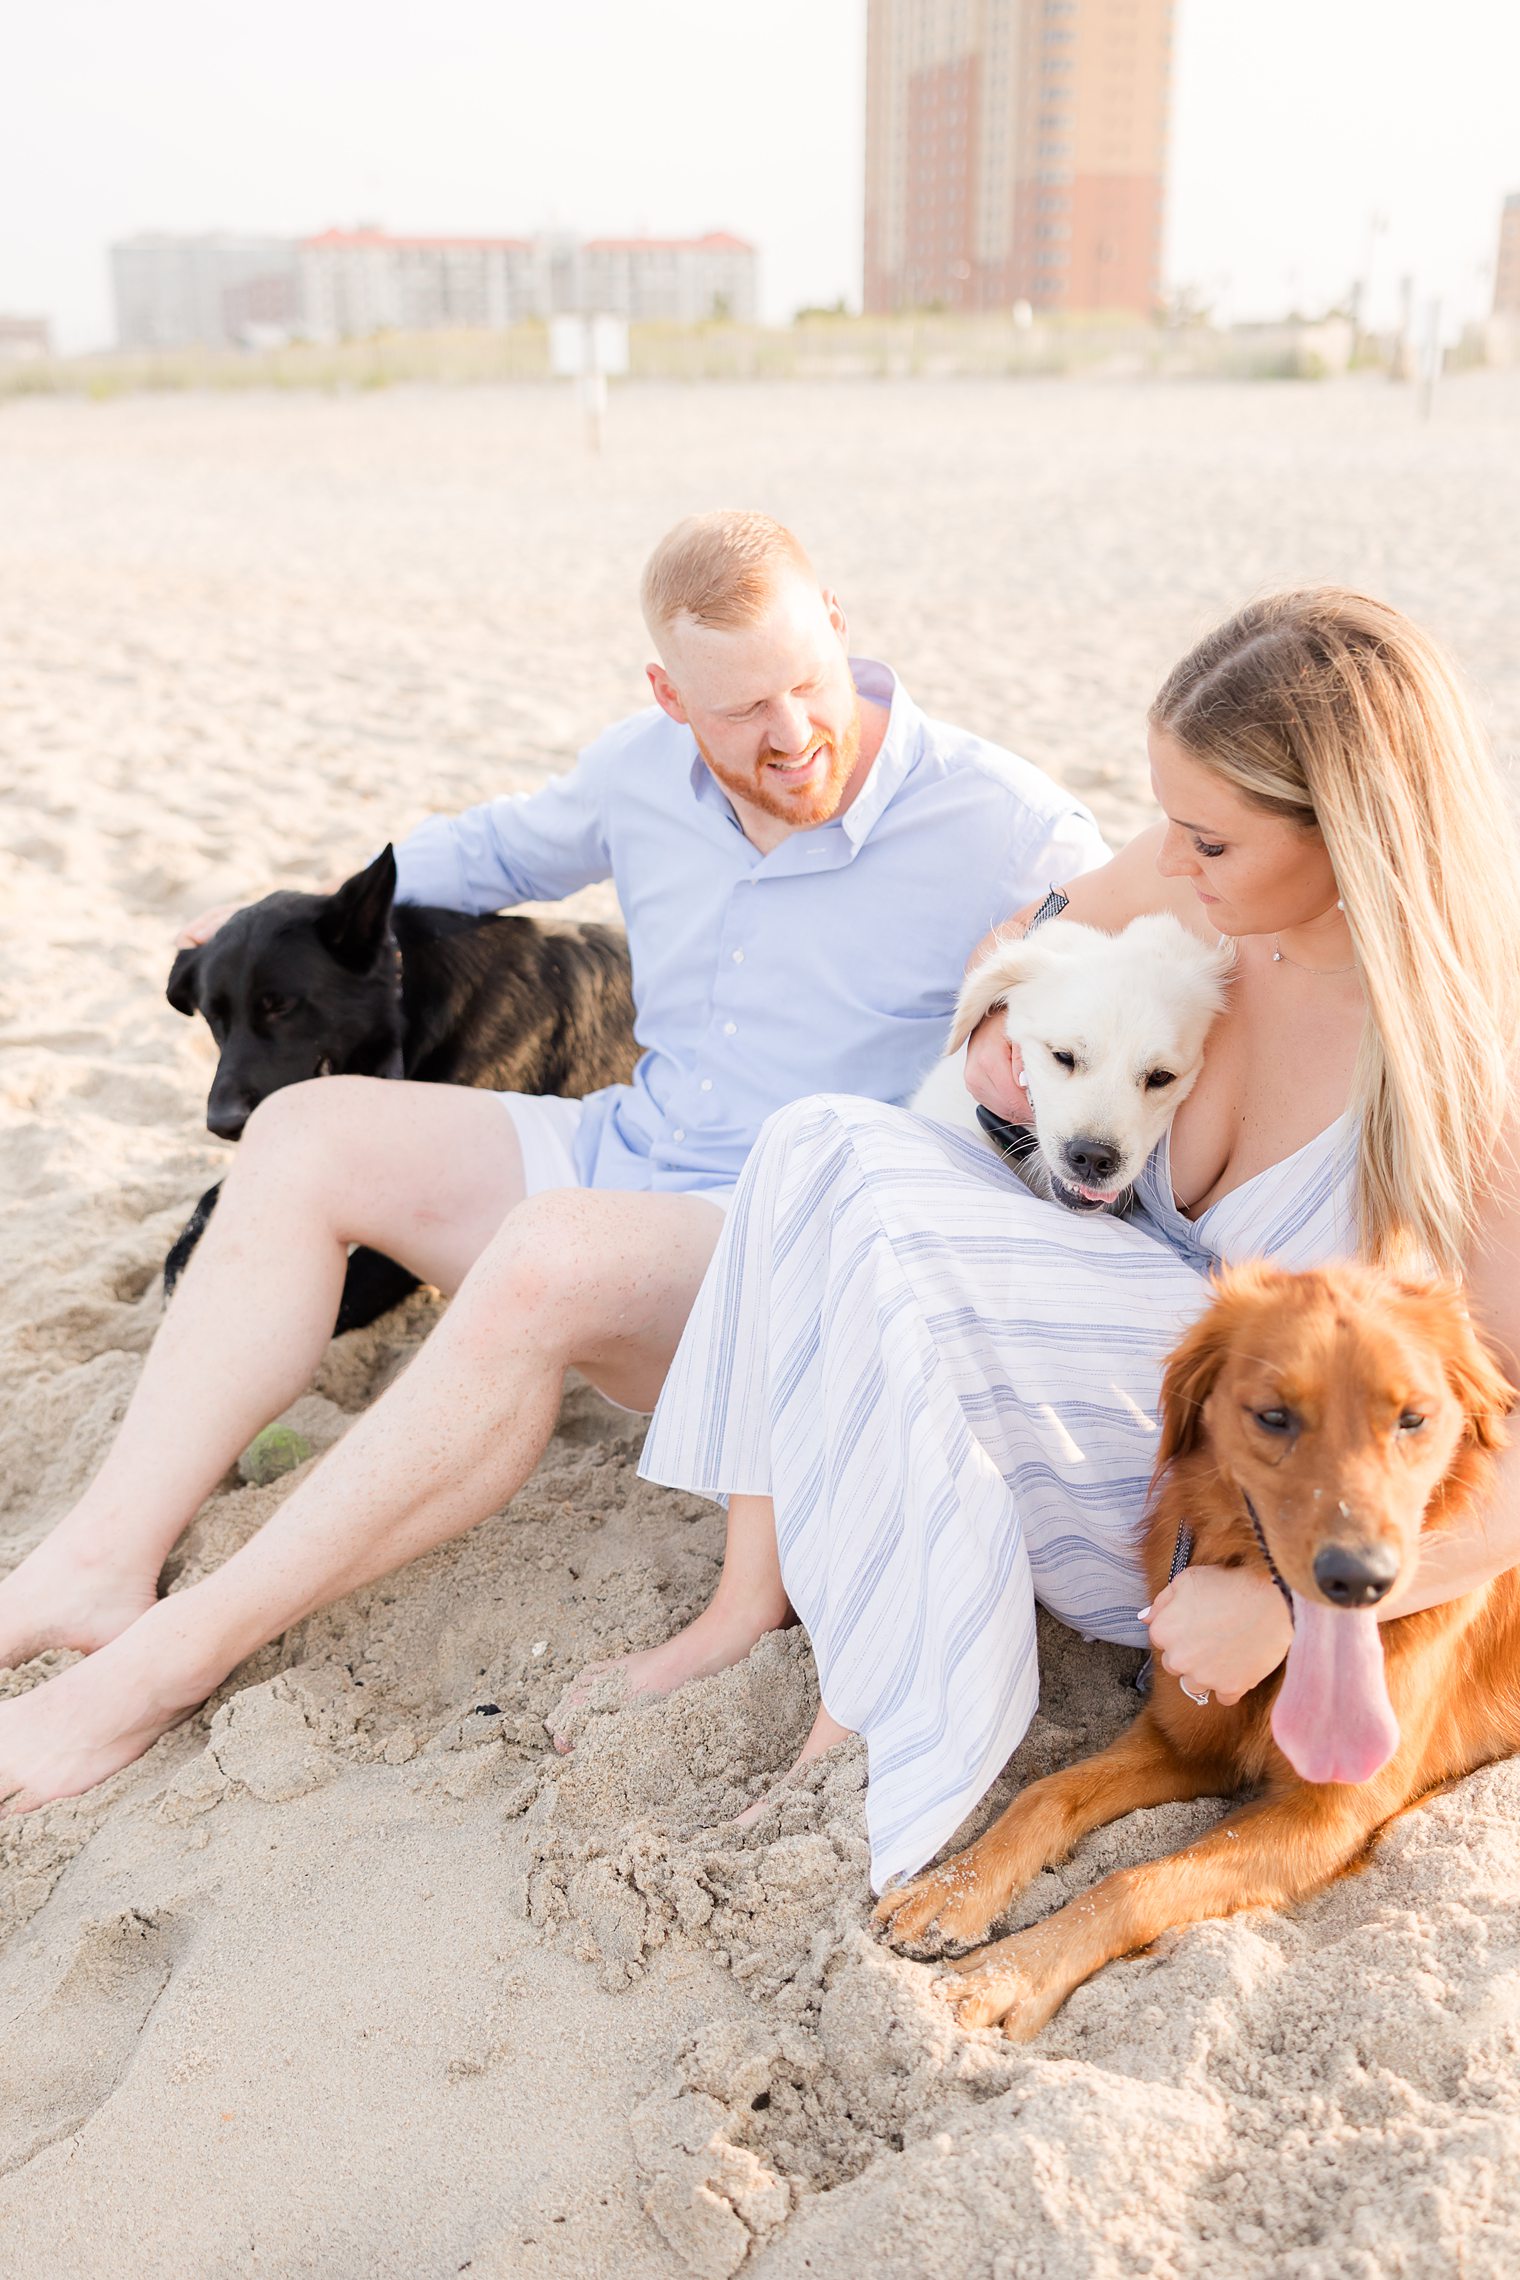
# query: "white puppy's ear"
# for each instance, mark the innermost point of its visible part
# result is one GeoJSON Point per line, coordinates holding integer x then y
{"type": "Point", "coordinates": [988, 983]}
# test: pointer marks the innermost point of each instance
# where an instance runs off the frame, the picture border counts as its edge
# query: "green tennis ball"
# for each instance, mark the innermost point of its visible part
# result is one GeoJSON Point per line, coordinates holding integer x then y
{"type": "Point", "coordinates": [273, 1453]}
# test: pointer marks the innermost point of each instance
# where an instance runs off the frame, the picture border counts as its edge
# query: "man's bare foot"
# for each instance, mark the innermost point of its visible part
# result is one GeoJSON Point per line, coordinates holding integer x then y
{"type": "Point", "coordinates": [715, 1641]}
{"type": "Point", "coordinates": [79, 1728]}
{"type": "Point", "coordinates": [826, 1732]}
{"type": "Point", "coordinates": [63, 1595]}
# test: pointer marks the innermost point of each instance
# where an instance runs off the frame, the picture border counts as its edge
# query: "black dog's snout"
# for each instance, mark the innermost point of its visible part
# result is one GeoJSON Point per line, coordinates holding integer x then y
{"type": "Point", "coordinates": [1356, 1575]}
{"type": "Point", "coordinates": [226, 1118]}
{"type": "Point", "coordinates": [1092, 1161]}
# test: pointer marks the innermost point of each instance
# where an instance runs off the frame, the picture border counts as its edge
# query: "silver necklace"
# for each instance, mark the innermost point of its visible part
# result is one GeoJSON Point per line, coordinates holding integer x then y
{"type": "Point", "coordinates": [1280, 958]}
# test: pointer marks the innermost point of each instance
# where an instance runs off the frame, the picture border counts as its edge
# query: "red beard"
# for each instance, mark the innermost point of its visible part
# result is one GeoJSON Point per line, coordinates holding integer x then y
{"type": "Point", "coordinates": [816, 801]}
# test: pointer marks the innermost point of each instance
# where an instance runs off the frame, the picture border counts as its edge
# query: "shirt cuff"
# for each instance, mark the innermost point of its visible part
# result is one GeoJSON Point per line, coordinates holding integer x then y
{"type": "Point", "coordinates": [428, 868]}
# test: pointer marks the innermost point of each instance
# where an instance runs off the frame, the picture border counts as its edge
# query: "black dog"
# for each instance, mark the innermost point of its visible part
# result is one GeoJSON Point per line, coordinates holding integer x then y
{"type": "Point", "coordinates": [300, 986]}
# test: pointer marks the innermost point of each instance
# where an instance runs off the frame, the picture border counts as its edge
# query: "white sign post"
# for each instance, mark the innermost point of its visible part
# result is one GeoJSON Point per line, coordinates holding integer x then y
{"type": "Point", "coordinates": [1431, 358]}
{"type": "Point", "coordinates": [589, 351]}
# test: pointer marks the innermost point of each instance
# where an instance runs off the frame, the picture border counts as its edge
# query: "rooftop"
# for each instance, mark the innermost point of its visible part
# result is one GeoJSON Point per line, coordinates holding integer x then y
{"type": "Point", "coordinates": [715, 241]}
{"type": "Point", "coordinates": [374, 238]}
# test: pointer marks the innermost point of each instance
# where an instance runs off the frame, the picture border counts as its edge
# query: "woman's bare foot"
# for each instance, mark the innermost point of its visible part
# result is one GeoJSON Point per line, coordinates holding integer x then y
{"type": "Point", "coordinates": [79, 1728]}
{"type": "Point", "coordinates": [63, 1594]}
{"type": "Point", "coordinates": [826, 1732]}
{"type": "Point", "coordinates": [719, 1638]}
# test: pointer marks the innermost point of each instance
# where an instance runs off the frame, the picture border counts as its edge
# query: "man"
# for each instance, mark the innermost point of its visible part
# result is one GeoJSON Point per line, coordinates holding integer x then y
{"type": "Point", "coordinates": [803, 863]}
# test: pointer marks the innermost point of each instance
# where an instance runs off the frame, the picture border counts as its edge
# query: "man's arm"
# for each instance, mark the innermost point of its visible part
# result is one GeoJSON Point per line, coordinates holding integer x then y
{"type": "Point", "coordinates": [1103, 890]}
{"type": "Point", "coordinates": [533, 847]}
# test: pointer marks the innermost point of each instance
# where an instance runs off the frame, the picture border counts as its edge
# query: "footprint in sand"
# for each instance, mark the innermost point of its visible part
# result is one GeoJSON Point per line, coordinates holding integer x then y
{"type": "Point", "coordinates": [61, 2057]}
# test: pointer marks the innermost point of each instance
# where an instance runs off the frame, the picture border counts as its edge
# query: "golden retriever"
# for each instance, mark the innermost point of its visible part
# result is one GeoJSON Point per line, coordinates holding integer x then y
{"type": "Point", "coordinates": [1320, 1424]}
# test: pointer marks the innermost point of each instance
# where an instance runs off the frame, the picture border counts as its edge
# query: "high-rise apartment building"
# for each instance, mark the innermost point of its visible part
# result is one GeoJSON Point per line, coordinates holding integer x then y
{"type": "Point", "coordinates": [1016, 151]}
{"type": "Point", "coordinates": [1507, 268]}
{"type": "Point", "coordinates": [219, 291]}
{"type": "Point", "coordinates": [357, 282]}
{"type": "Point", "coordinates": [671, 280]}
{"type": "Point", "coordinates": [213, 290]}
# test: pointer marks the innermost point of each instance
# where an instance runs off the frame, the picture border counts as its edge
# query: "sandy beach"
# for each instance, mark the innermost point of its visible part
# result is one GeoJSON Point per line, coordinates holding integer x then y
{"type": "Point", "coordinates": [351, 1976]}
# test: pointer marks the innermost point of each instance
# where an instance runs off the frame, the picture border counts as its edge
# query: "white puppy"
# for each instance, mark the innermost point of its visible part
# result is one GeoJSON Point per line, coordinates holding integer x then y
{"type": "Point", "coordinates": [1110, 1028]}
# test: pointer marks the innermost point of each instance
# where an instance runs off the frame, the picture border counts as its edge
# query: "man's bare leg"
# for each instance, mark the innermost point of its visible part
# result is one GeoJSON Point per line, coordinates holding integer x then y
{"type": "Point", "coordinates": [425, 1173]}
{"type": "Point", "coordinates": [601, 1281]}
{"type": "Point", "coordinates": [748, 1602]}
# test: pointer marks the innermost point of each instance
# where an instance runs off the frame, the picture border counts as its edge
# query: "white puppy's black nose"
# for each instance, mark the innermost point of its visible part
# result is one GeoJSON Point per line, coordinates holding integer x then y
{"type": "Point", "coordinates": [1093, 1162]}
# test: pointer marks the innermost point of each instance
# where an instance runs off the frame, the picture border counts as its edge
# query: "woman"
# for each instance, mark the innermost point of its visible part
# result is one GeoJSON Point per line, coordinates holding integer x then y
{"type": "Point", "coordinates": [930, 1396]}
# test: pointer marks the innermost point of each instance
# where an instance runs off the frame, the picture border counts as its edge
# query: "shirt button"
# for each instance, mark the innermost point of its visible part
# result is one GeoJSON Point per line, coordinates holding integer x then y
{"type": "Point", "coordinates": [706, 1084]}
{"type": "Point", "coordinates": [729, 1027]}
{"type": "Point", "coordinates": [678, 1134]}
{"type": "Point", "coordinates": [738, 957]}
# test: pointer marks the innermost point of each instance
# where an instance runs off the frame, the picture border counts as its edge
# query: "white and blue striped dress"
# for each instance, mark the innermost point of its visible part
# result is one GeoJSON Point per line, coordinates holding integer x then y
{"type": "Point", "coordinates": [949, 1388]}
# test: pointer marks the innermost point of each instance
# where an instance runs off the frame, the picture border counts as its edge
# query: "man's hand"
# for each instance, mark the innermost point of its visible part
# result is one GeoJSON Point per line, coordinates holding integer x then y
{"type": "Point", "coordinates": [200, 929]}
{"type": "Point", "coordinates": [992, 1071]}
{"type": "Point", "coordinates": [1220, 1630]}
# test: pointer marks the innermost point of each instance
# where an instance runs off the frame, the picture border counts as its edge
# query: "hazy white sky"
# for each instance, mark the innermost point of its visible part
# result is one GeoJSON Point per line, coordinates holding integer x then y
{"type": "Point", "coordinates": [1295, 122]}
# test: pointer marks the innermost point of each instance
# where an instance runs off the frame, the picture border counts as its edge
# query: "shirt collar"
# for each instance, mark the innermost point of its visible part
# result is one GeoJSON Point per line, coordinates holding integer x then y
{"type": "Point", "coordinates": [900, 746]}
{"type": "Point", "coordinates": [878, 684]}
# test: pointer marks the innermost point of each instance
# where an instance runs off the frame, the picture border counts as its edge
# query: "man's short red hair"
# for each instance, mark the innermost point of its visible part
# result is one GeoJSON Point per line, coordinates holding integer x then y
{"type": "Point", "coordinates": [721, 569]}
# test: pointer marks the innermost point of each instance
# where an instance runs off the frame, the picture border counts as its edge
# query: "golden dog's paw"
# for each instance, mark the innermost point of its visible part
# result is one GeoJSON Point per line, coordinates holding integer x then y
{"type": "Point", "coordinates": [1001, 1992]}
{"type": "Point", "coordinates": [947, 1907]}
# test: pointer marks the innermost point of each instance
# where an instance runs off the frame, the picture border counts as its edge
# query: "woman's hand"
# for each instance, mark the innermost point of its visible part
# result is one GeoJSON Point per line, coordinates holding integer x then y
{"type": "Point", "coordinates": [1221, 1631]}
{"type": "Point", "coordinates": [992, 1070]}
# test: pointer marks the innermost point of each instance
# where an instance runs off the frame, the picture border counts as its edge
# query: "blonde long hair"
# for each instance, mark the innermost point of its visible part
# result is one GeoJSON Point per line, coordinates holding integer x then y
{"type": "Point", "coordinates": [1334, 710]}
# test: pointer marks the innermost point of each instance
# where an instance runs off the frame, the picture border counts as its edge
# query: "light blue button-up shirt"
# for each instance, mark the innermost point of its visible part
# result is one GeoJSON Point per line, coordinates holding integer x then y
{"type": "Point", "coordinates": [830, 964]}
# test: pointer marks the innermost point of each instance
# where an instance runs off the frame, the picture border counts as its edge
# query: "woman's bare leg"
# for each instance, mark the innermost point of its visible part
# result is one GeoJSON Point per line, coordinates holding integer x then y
{"type": "Point", "coordinates": [425, 1173]}
{"type": "Point", "coordinates": [748, 1602]}
{"type": "Point", "coordinates": [822, 1735]}
{"type": "Point", "coordinates": [601, 1281]}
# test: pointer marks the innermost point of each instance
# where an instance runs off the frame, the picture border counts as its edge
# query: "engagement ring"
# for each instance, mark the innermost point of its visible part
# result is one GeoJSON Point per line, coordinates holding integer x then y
{"type": "Point", "coordinates": [1200, 1699]}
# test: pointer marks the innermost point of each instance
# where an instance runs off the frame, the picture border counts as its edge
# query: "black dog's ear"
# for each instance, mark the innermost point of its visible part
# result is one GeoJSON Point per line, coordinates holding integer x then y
{"type": "Point", "coordinates": [184, 981]}
{"type": "Point", "coordinates": [352, 925]}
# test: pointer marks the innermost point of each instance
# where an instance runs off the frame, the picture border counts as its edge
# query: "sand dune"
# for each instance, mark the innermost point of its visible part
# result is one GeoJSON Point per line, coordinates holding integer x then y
{"type": "Point", "coordinates": [351, 1976]}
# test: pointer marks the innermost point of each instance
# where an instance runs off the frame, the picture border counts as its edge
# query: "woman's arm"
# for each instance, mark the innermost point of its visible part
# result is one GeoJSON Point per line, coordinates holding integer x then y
{"type": "Point", "coordinates": [1225, 1630]}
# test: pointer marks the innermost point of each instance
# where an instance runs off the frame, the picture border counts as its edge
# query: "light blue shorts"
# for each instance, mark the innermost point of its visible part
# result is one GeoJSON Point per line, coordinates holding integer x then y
{"type": "Point", "coordinates": [546, 1127]}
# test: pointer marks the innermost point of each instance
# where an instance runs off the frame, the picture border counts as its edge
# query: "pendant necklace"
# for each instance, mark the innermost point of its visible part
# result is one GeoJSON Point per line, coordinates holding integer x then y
{"type": "Point", "coordinates": [1280, 958]}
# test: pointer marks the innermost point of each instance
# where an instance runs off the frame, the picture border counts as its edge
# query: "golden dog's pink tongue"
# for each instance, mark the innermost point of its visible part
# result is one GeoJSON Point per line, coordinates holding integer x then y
{"type": "Point", "coordinates": [1332, 1719]}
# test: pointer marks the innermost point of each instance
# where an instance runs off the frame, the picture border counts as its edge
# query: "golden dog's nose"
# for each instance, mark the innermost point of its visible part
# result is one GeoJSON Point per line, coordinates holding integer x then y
{"type": "Point", "coordinates": [1356, 1575]}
